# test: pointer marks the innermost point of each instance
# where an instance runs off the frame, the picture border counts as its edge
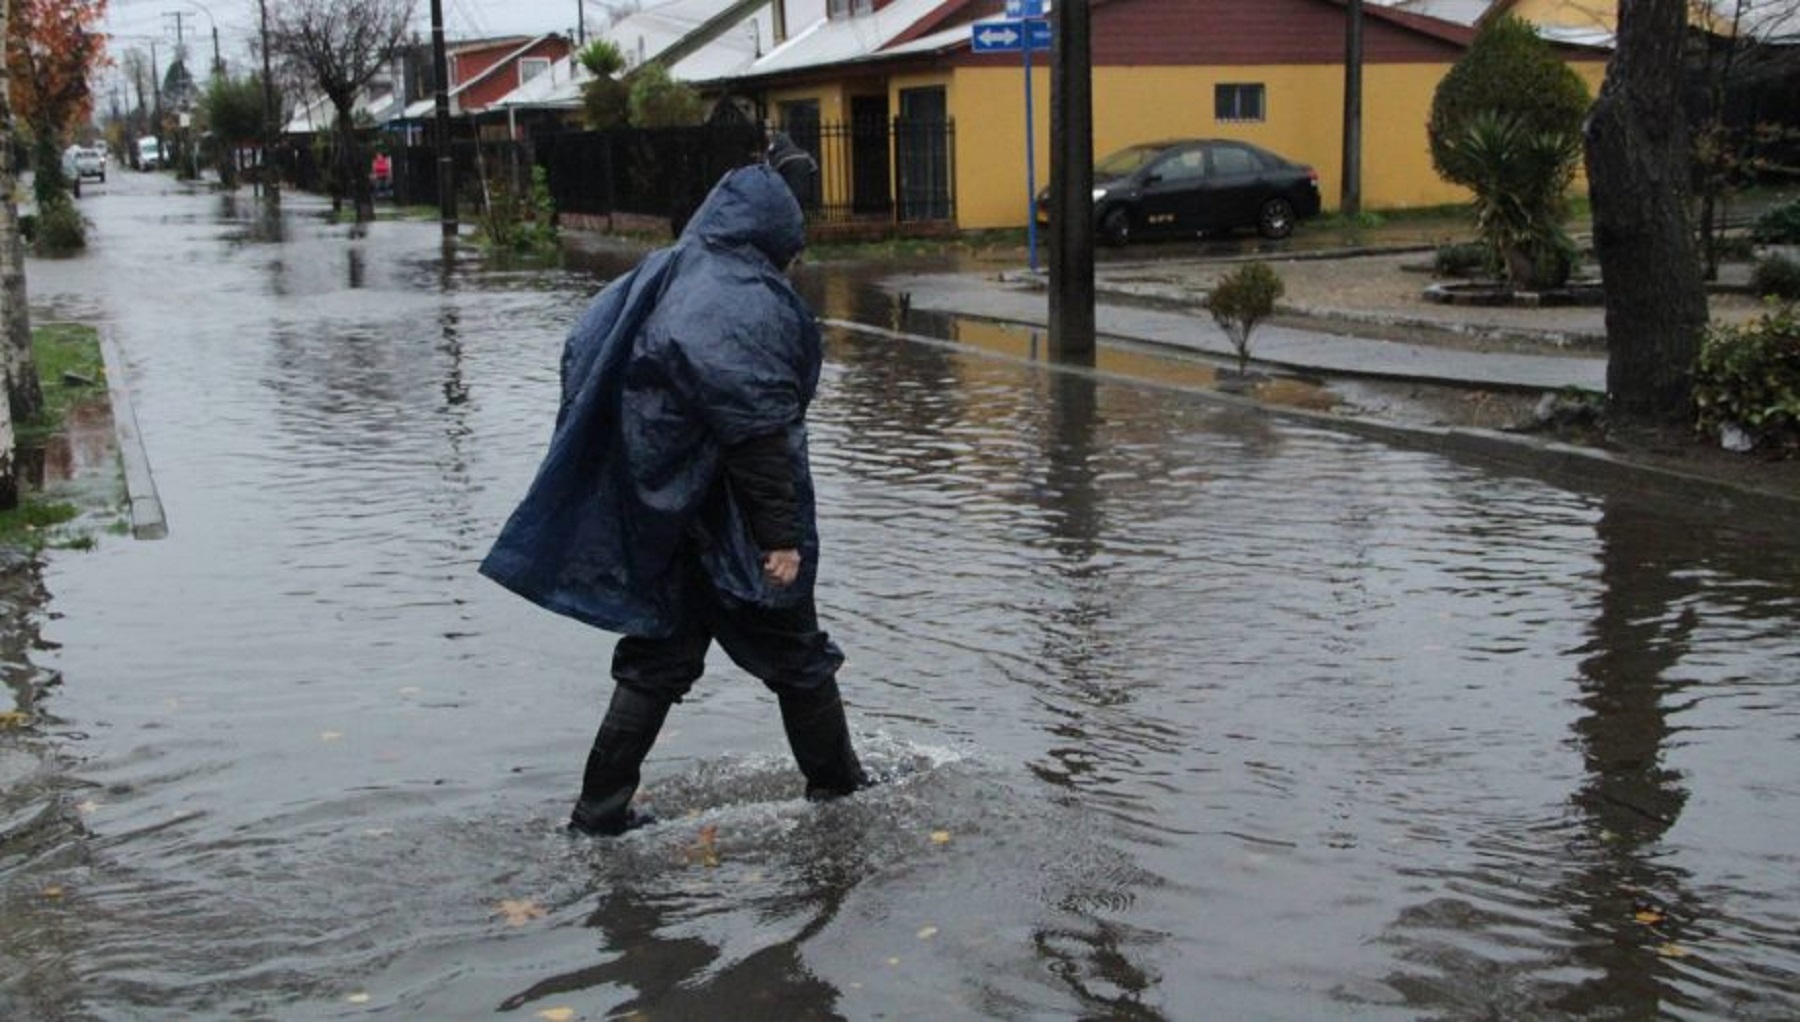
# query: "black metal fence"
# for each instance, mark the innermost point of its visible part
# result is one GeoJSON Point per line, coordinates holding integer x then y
{"type": "Point", "coordinates": [878, 172]}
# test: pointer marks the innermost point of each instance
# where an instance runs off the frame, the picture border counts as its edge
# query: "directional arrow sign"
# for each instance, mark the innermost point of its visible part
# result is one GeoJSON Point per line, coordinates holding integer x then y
{"type": "Point", "coordinates": [1009, 36]}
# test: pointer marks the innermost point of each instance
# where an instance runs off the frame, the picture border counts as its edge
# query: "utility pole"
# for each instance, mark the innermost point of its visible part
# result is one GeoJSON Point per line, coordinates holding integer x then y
{"type": "Point", "coordinates": [446, 159]}
{"type": "Point", "coordinates": [581, 23]}
{"type": "Point", "coordinates": [271, 188]}
{"type": "Point", "coordinates": [1350, 195]}
{"type": "Point", "coordinates": [1071, 183]}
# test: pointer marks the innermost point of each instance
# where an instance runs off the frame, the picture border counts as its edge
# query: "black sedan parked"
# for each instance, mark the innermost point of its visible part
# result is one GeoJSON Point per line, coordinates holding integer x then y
{"type": "Point", "coordinates": [1184, 187]}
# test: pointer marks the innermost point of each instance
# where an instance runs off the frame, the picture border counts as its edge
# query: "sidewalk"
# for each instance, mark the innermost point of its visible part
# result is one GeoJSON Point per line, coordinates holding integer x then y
{"type": "Point", "coordinates": [1361, 315]}
{"type": "Point", "coordinates": [1358, 314]}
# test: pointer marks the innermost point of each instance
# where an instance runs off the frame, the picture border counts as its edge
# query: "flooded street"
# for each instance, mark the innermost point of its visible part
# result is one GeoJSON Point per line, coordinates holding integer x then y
{"type": "Point", "coordinates": [1182, 710]}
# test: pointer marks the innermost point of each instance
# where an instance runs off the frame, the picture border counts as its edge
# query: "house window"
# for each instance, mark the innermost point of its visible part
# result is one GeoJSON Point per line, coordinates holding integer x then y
{"type": "Point", "coordinates": [531, 67]}
{"type": "Point", "coordinates": [1238, 102]}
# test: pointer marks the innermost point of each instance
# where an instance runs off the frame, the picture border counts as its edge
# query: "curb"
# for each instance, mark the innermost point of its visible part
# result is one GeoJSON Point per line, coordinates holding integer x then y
{"type": "Point", "coordinates": [148, 520]}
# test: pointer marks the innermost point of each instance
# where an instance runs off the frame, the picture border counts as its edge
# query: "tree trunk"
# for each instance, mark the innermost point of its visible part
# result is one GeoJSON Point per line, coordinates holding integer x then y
{"type": "Point", "coordinates": [354, 168]}
{"type": "Point", "coordinates": [1637, 152]}
{"type": "Point", "coordinates": [15, 317]}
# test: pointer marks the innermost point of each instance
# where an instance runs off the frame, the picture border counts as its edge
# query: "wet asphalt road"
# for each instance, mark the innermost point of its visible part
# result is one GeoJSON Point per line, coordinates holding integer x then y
{"type": "Point", "coordinates": [1183, 711]}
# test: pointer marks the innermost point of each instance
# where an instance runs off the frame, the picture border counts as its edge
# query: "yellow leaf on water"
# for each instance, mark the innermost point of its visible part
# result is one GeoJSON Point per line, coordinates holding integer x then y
{"type": "Point", "coordinates": [1672, 951]}
{"type": "Point", "coordinates": [927, 933]}
{"type": "Point", "coordinates": [86, 807]}
{"type": "Point", "coordinates": [358, 998]}
{"type": "Point", "coordinates": [12, 719]}
{"type": "Point", "coordinates": [519, 912]}
{"type": "Point", "coordinates": [53, 892]}
{"type": "Point", "coordinates": [556, 1014]}
{"type": "Point", "coordinates": [940, 837]}
{"type": "Point", "coordinates": [705, 849]}
{"type": "Point", "coordinates": [893, 961]}
{"type": "Point", "coordinates": [1648, 916]}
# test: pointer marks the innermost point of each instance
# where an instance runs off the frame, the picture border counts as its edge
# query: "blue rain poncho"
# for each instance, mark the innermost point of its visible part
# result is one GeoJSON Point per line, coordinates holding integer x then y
{"type": "Point", "coordinates": [703, 345]}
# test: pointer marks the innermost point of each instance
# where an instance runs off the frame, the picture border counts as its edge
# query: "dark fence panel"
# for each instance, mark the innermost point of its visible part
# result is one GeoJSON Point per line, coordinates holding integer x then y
{"type": "Point", "coordinates": [875, 173]}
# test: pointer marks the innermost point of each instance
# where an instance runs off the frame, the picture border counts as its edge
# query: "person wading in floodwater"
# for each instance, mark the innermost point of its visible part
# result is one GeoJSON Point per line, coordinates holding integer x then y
{"type": "Point", "coordinates": [675, 503]}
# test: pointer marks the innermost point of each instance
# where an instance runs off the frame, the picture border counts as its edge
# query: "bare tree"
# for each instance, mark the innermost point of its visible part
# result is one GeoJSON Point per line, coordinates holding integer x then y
{"type": "Point", "coordinates": [1638, 179]}
{"type": "Point", "coordinates": [15, 317]}
{"type": "Point", "coordinates": [340, 46]}
{"type": "Point", "coordinates": [1732, 63]}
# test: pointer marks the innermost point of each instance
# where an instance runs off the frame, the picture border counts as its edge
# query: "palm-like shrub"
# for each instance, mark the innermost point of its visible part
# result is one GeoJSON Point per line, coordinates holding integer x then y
{"type": "Point", "coordinates": [1506, 124]}
{"type": "Point", "coordinates": [1519, 176]}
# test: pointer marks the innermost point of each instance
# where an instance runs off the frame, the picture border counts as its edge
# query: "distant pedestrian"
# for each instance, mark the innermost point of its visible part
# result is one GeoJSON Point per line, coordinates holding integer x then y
{"type": "Point", "coordinates": [675, 504]}
{"type": "Point", "coordinates": [796, 166]}
{"type": "Point", "coordinates": [381, 174]}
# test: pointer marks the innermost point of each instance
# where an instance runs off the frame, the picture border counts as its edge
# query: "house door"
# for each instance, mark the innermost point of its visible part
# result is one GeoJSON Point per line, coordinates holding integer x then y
{"type": "Point", "coordinates": [922, 154]}
{"type": "Point", "coordinates": [871, 189]}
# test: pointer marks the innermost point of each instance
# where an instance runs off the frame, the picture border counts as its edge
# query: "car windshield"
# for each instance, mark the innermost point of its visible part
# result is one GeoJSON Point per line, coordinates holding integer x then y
{"type": "Point", "coordinates": [1125, 161]}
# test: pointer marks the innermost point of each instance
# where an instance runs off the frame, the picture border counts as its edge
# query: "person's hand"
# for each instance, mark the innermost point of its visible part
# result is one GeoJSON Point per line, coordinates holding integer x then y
{"type": "Point", "coordinates": [781, 567]}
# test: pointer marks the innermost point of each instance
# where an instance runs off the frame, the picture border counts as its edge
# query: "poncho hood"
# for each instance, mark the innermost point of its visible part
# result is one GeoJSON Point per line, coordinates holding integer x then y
{"type": "Point", "coordinates": [752, 206]}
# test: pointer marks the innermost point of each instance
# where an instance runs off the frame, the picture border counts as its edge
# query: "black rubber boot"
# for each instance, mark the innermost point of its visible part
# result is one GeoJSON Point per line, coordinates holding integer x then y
{"type": "Point", "coordinates": [820, 738]}
{"type": "Point", "coordinates": [626, 734]}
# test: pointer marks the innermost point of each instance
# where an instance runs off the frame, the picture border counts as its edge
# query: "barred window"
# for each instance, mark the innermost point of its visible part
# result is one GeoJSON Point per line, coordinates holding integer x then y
{"type": "Point", "coordinates": [1238, 102]}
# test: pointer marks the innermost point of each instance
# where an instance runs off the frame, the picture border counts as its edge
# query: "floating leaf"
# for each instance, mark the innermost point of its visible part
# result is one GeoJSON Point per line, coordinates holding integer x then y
{"type": "Point", "coordinates": [893, 961]}
{"type": "Point", "coordinates": [12, 719]}
{"type": "Point", "coordinates": [556, 1014]}
{"type": "Point", "coordinates": [330, 736]}
{"type": "Point", "coordinates": [940, 837]}
{"type": "Point", "coordinates": [1648, 916]}
{"type": "Point", "coordinates": [520, 912]}
{"type": "Point", "coordinates": [87, 806]}
{"type": "Point", "coordinates": [53, 891]}
{"type": "Point", "coordinates": [705, 849]}
{"type": "Point", "coordinates": [1673, 951]}
{"type": "Point", "coordinates": [358, 998]}
{"type": "Point", "coordinates": [927, 933]}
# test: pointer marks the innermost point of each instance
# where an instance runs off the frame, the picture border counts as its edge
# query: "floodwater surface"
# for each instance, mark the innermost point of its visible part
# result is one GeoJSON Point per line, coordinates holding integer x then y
{"type": "Point", "coordinates": [1182, 710]}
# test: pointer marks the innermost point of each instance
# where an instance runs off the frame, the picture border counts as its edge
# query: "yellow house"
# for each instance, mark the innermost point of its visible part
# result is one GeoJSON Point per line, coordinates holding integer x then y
{"type": "Point", "coordinates": [1270, 72]}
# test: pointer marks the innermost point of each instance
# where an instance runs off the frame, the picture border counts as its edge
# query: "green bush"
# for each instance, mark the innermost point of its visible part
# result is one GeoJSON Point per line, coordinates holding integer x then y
{"type": "Point", "coordinates": [1506, 124]}
{"type": "Point", "coordinates": [61, 230]}
{"type": "Point", "coordinates": [1779, 226]}
{"type": "Point", "coordinates": [1776, 277]}
{"type": "Point", "coordinates": [1749, 377]}
{"type": "Point", "coordinates": [1508, 70]}
{"type": "Point", "coordinates": [1243, 298]}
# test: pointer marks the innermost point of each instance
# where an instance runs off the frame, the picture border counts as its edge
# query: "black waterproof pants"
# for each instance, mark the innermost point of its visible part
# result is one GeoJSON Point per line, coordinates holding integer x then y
{"type": "Point", "coordinates": [783, 647]}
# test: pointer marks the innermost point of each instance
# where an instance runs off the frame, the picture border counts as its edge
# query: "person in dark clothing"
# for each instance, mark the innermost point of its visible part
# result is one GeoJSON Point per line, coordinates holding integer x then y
{"type": "Point", "coordinates": [796, 166]}
{"type": "Point", "coordinates": [675, 503]}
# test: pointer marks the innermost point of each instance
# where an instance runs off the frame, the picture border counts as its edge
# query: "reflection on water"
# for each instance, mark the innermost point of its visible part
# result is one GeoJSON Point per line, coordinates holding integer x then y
{"type": "Point", "coordinates": [1181, 709]}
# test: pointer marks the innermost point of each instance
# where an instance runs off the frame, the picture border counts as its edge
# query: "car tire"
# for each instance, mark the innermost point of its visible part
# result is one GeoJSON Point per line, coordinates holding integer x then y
{"type": "Point", "coordinates": [1276, 218]}
{"type": "Point", "coordinates": [1115, 226]}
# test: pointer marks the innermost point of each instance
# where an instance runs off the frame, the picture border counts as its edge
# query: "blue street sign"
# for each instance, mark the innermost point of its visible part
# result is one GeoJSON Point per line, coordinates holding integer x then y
{"type": "Point", "coordinates": [1024, 8]}
{"type": "Point", "coordinates": [1009, 36]}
